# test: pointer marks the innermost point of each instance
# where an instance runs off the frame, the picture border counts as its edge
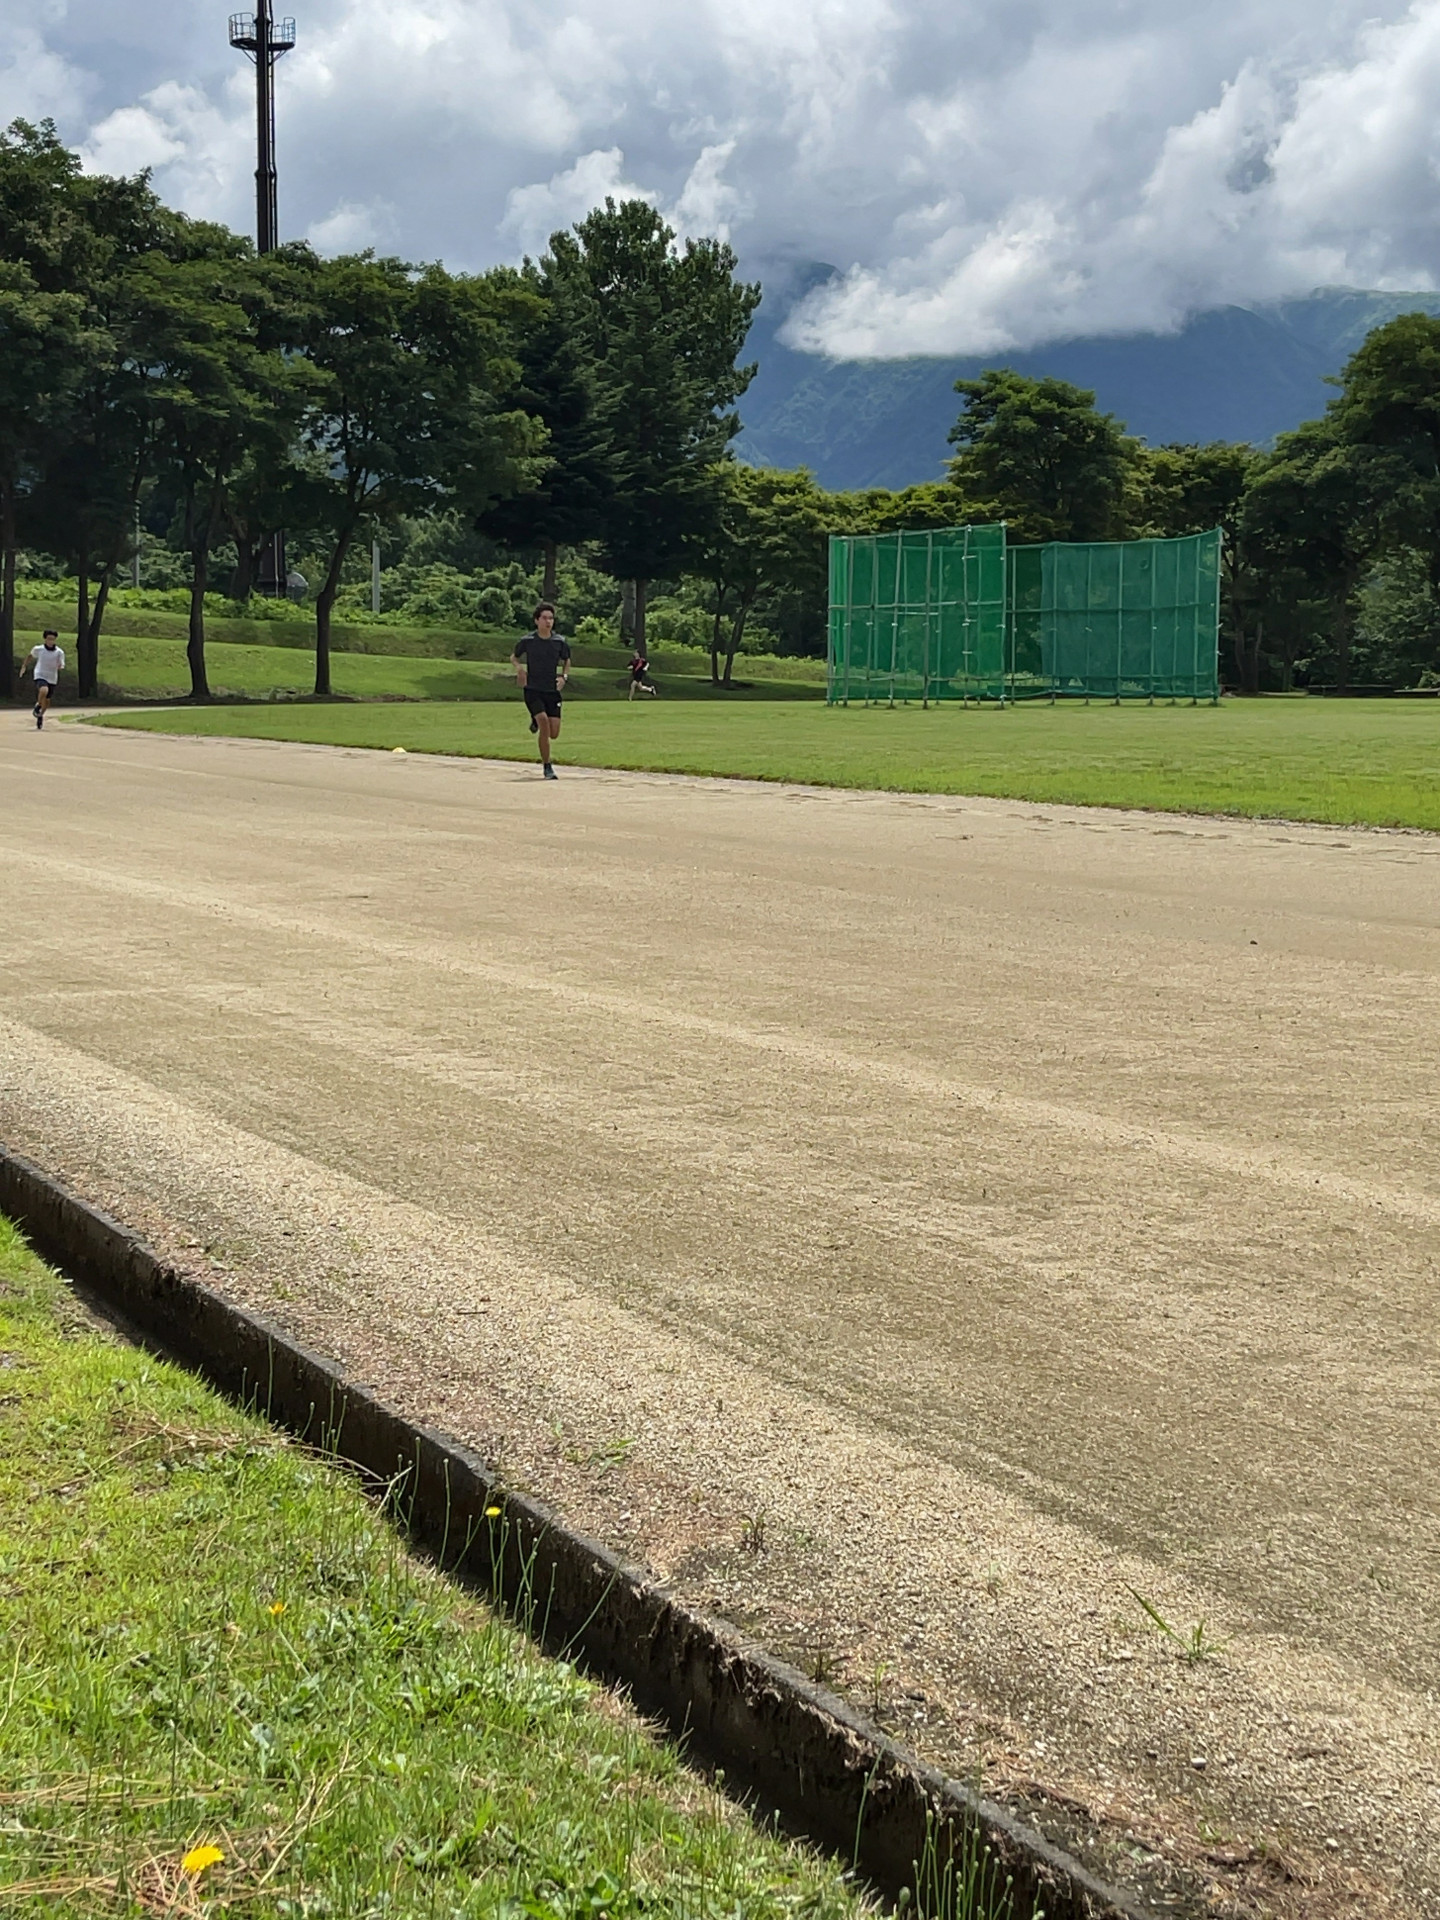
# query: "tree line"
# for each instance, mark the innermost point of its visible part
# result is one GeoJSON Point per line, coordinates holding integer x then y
{"type": "Point", "coordinates": [575, 418]}
{"type": "Point", "coordinates": [1331, 556]}
{"type": "Point", "coordinates": [149, 361]}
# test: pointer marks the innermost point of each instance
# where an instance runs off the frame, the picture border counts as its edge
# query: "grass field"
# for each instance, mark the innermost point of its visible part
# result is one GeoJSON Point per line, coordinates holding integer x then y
{"type": "Point", "coordinates": [227, 1688]}
{"type": "Point", "coordinates": [1347, 762]}
{"type": "Point", "coordinates": [142, 652]}
{"type": "Point", "coordinates": [125, 621]}
{"type": "Point", "coordinates": [144, 668]}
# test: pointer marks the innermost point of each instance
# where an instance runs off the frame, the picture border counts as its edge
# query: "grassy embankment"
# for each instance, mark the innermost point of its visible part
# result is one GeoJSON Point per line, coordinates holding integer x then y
{"type": "Point", "coordinates": [1343, 762]}
{"type": "Point", "coordinates": [142, 657]}
{"type": "Point", "coordinates": [212, 1640]}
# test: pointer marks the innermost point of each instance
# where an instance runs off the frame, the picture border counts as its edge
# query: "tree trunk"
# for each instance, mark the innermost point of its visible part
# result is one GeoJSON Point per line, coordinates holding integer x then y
{"type": "Point", "coordinates": [195, 645]}
{"type": "Point", "coordinates": [549, 586]}
{"type": "Point", "coordinates": [627, 612]}
{"type": "Point", "coordinates": [7, 587]}
{"type": "Point", "coordinates": [325, 600]}
{"type": "Point", "coordinates": [1344, 632]}
{"type": "Point", "coordinates": [715, 636]}
{"type": "Point", "coordinates": [640, 594]}
{"type": "Point", "coordinates": [737, 634]}
{"type": "Point", "coordinates": [82, 625]}
{"type": "Point", "coordinates": [92, 636]}
{"type": "Point", "coordinates": [247, 564]}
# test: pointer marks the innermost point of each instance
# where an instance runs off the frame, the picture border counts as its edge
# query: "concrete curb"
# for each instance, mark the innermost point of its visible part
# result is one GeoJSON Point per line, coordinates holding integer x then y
{"type": "Point", "coordinates": [789, 1744]}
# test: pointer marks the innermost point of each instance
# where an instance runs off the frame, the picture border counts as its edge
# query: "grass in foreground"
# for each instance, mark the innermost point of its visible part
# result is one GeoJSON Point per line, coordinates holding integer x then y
{"type": "Point", "coordinates": [1345, 762]}
{"type": "Point", "coordinates": [216, 1650]}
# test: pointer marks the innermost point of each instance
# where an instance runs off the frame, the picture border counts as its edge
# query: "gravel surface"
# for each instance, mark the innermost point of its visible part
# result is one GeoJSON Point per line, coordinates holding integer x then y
{"type": "Point", "coordinates": [915, 1227]}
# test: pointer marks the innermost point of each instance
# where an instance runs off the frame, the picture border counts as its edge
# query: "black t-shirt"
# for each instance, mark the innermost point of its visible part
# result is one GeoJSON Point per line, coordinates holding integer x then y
{"type": "Point", "coordinates": [542, 660]}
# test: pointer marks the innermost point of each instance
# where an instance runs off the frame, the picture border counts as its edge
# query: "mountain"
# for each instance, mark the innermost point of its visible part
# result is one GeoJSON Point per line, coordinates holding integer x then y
{"type": "Point", "coordinates": [1234, 373]}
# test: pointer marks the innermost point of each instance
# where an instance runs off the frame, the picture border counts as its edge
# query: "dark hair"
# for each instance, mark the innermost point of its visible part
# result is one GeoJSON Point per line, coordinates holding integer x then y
{"type": "Point", "coordinates": [545, 606]}
{"type": "Point", "coordinates": [50, 633]}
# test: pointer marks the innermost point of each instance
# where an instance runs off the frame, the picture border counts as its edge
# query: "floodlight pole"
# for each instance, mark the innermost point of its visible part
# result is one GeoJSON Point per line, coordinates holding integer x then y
{"type": "Point", "coordinates": [265, 38]}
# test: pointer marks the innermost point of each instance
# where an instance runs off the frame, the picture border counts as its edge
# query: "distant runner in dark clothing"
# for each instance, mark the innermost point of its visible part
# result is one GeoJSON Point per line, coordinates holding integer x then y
{"type": "Point", "coordinates": [639, 667]}
{"type": "Point", "coordinates": [542, 666]}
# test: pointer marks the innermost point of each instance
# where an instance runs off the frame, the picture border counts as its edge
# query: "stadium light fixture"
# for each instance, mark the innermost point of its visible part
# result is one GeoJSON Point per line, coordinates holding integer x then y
{"type": "Point", "coordinates": [265, 39]}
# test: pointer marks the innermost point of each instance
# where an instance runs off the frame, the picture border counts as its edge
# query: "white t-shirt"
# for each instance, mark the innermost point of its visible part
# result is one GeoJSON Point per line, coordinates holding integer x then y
{"type": "Point", "coordinates": [46, 662]}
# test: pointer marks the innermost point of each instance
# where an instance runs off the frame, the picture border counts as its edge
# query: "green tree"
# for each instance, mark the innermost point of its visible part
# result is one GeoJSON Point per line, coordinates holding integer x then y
{"type": "Point", "coordinates": [1389, 401]}
{"type": "Point", "coordinates": [559, 387]}
{"type": "Point", "coordinates": [84, 504]}
{"type": "Point", "coordinates": [219, 391]}
{"type": "Point", "coordinates": [1182, 489]}
{"type": "Point", "coordinates": [931, 504]}
{"type": "Point", "coordinates": [48, 339]}
{"type": "Point", "coordinates": [1398, 621]}
{"type": "Point", "coordinates": [1039, 455]}
{"type": "Point", "coordinates": [662, 328]}
{"type": "Point", "coordinates": [1317, 513]}
{"type": "Point", "coordinates": [406, 369]}
{"type": "Point", "coordinates": [42, 354]}
{"type": "Point", "coordinates": [767, 535]}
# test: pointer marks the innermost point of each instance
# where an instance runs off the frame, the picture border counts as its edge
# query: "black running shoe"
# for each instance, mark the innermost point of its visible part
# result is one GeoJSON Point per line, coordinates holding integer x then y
{"type": "Point", "coordinates": [550, 773]}
{"type": "Point", "coordinates": [534, 724]}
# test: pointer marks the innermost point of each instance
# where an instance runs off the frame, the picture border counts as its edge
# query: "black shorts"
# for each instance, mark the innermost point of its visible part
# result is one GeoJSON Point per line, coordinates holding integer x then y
{"type": "Point", "coordinates": [49, 686]}
{"type": "Point", "coordinates": [542, 703]}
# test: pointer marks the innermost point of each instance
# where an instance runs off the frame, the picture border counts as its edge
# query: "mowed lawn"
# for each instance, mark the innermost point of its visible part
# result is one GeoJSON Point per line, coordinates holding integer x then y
{"type": "Point", "coordinates": [155, 669]}
{"type": "Point", "coordinates": [1347, 762]}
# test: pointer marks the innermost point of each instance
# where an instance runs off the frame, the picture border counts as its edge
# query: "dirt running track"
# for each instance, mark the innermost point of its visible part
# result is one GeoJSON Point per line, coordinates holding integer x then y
{"type": "Point", "coordinates": [908, 1224]}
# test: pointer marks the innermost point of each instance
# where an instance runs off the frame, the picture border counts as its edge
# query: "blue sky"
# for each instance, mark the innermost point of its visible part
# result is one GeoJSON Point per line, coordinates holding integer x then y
{"type": "Point", "coordinates": [984, 177]}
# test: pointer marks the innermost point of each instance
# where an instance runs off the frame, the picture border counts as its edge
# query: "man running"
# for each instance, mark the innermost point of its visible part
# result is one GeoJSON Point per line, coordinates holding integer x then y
{"type": "Point", "coordinates": [542, 666]}
{"type": "Point", "coordinates": [639, 672]}
{"type": "Point", "coordinates": [44, 666]}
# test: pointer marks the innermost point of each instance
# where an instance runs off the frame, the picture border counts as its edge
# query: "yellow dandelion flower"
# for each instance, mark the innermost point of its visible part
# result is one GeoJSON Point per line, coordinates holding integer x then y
{"type": "Point", "coordinates": [199, 1858]}
{"type": "Point", "coordinates": [492, 1513]}
{"type": "Point", "coordinates": [277, 1607]}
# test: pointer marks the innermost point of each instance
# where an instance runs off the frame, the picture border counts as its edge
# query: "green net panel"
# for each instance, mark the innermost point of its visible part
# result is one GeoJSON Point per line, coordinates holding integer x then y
{"type": "Point", "coordinates": [1116, 619]}
{"type": "Point", "coordinates": [918, 616]}
{"type": "Point", "coordinates": [954, 614]}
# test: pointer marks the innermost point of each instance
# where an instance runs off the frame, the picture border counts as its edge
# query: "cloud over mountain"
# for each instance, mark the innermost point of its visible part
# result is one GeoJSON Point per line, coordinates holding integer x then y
{"type": "Point", "coordinates": [984, 178]}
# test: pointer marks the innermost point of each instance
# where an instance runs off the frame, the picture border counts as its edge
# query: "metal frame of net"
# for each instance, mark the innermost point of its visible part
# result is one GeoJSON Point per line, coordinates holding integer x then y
{"type": "Point", "coordinates": [918, 616]}
{"type": "Point", "coordinates": [956, 614]}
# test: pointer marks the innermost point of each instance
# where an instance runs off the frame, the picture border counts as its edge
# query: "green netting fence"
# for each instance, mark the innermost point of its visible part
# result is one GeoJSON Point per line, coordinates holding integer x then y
{"type": "Point", "coordinates": [957, 614]}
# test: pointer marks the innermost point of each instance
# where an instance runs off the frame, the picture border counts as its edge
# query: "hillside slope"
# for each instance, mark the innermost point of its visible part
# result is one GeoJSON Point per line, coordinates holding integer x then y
{"type": "Point", "coordinates": [1234, 373]}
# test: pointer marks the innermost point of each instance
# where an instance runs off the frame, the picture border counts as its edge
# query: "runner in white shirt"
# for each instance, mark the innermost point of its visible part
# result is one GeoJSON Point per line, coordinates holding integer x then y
{"type": "Point", "coordinates": [44, 666]}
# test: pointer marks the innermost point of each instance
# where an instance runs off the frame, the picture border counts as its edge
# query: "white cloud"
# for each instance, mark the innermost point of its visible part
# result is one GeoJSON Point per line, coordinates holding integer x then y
{"type": "Point", "coordinates": [983, 177]}
{"type": "Point", "coordinates": [1285, 180]}
{"type": "Point", "coordinates": [199, 156]}
{"type": "Point", "coordinates": [708, 203]}
{"type": "Point", "coordinates": [352, 227]}
{"type": "Point", "coordinates": [129, 140]}
{"type": "Point", "coordinates": [36, 82]}
{"type": "Point", "coordinates": [533, 213]}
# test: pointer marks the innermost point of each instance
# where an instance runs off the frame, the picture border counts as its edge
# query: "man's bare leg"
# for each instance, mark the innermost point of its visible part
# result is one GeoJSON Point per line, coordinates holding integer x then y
{"type": "Point", "coordinates": [42, 701]}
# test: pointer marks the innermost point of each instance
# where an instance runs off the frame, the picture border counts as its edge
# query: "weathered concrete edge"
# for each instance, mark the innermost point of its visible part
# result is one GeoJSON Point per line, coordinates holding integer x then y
{"type": "Point", "coordinates": [792, 1745]}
